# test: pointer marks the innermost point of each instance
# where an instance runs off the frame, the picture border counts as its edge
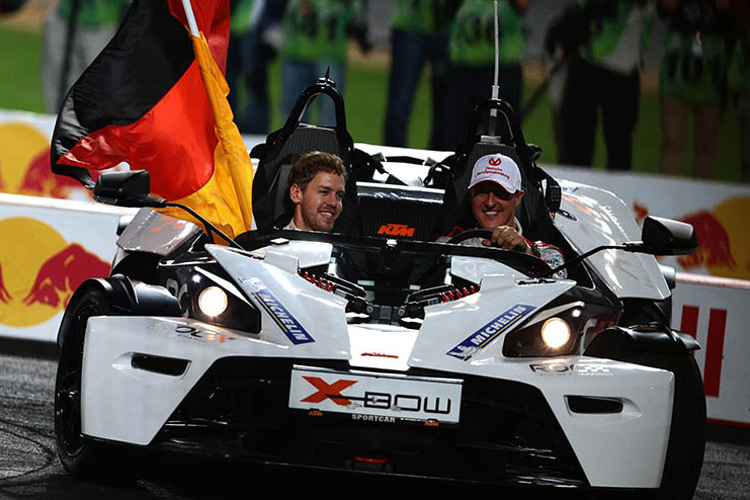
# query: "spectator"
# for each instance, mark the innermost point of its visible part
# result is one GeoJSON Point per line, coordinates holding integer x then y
{"type": "Point", "coordinates": [739, 80]}
{"type": "Point", "coordinates": [603, 41]}
{"type": "Point", "coordinates": [472, 64]}
{"type": "Point", "coordinates": [315, 40]}
{"type": "Point", "coordinates": [252, 48]}
{"type": "Point", "coordinates": [692, 81]}
{"type": "Point", "coordinates": [419, 33]}
{"type": "Point", "coordinates": [316, 187]}
{"type": "Point", "coordinates": [75, 31]}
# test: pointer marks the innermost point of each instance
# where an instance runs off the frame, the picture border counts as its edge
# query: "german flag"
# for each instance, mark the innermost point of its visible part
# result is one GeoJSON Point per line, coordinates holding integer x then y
{"type": "Point", "coordinates": [155, 98]}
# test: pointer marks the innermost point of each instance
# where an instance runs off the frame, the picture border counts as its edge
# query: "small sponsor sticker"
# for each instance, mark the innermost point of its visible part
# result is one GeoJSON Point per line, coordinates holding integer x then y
{"type": "Point", "coordinates": [281, 316]}
{"type": "Point", "coordinates": [581, 369]}
{"type": "Point", "coordinates": [489, 332]}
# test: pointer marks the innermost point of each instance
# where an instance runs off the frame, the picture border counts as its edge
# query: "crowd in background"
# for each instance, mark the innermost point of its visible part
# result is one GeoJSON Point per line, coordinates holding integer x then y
{"type": "Point", "coordinates": [598, 46]}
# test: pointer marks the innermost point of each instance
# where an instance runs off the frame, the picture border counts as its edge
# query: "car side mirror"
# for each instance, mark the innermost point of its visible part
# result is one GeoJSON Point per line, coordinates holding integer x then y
{"type": "Point", "coordinates": [661, 236]}
{"type": "Point", "coordinates": [126, 189]}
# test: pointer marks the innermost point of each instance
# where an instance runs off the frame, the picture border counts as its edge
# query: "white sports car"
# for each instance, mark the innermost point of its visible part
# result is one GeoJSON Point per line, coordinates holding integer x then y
{"type": "Point", "coordinates": [377, 349]}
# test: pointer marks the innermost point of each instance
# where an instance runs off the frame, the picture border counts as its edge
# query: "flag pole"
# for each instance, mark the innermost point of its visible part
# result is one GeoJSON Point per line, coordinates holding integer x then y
{"type": "Point", "coordinates": [227, 132]}
{"type": "Point", "coordinates": [192, 25]}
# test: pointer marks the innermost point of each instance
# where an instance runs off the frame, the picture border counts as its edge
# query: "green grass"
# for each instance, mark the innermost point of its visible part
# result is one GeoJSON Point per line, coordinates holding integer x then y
{"type": "Point", "coordinates": [365, 96]}
{"type": "Point", "coordinates": [20, 84]}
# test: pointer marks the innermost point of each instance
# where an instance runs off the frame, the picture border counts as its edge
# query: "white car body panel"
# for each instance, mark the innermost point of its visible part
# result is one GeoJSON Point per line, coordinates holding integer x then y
{"type": "Point", "coordinates": [615, 450]}
{"type": "Point", "coordinates": [601, 218]}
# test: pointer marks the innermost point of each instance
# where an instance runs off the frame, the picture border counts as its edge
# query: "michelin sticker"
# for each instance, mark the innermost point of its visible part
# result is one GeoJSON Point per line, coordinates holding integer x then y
{"type": "Point", "coordinates": [489, 332]}
{"type": "Point", "coordinates": [281, 316]}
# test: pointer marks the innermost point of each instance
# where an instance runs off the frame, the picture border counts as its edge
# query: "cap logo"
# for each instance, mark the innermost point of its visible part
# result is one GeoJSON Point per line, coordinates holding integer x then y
{"type": "Point", "coordinates": [493, 171]}
{"type": "Point", "coordinates": [495, 161]}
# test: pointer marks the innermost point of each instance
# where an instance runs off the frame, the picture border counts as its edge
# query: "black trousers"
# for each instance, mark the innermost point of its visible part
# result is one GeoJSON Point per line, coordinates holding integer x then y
{"type": "Point", "coordinates": [591, 90]}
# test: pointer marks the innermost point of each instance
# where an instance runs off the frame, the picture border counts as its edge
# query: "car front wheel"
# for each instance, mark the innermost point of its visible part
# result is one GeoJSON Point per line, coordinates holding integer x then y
{"type": "Point", "coordinates": [79, 456]}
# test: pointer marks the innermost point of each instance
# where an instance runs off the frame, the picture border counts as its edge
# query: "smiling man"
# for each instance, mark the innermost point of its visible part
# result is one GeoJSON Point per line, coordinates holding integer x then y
{"type": "Point", "coordinates": [494, 193]}
{"type": "Point", "coordinates": [316, 186]}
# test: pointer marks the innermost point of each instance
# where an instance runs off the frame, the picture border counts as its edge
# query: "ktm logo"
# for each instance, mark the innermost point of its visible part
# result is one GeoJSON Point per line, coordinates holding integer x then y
{"type": "Point", "coordinates": [495, 161]}
{"type": "Point", "coordinates": [396, 230]}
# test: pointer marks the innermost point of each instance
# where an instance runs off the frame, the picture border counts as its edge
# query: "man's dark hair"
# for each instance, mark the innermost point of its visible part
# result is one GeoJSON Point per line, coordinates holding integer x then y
{"type": "Point", "coordinates": [306, 166]}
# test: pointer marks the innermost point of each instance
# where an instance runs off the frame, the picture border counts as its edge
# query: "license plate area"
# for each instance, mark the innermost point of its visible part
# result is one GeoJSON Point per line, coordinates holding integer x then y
{"type": "Point", "coordinates": [376, 397]}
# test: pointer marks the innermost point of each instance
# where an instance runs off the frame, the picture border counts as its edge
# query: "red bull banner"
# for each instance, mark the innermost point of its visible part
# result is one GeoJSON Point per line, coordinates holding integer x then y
{"type": "Point", "coordinates": [49, 247]}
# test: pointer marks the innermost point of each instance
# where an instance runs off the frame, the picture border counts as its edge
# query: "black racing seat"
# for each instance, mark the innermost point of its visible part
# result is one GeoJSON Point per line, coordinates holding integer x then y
{"type": "Point", "coordinates": [271, 204]}
{"type": "Point", "coordinates": [542, 192]}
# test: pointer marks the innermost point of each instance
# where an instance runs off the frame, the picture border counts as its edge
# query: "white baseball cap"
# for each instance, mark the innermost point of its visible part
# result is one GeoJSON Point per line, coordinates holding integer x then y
{"type": "Point", "coordinates": [497, 168]}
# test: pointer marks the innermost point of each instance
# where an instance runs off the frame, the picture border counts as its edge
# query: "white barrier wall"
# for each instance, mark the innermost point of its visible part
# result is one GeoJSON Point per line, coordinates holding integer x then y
{"type": "Point", "coordinates": [716, 312]}
{"type": "Point", "coordinates": [48, 246]}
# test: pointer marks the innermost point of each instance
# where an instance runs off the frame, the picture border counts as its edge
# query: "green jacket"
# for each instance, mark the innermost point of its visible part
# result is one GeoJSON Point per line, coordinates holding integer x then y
{"type": "Point", "coordinates": [95, 13]}
{"type": "Point", "coordinates": [317, 29]}
{"type": "Point", "coordinates": [695, 56]}
{"type": "Point", "coordinates": [472, 39]}
{"type": "Point", "coordinates": [423, 16]}
{"type": "Point", "coordinates": [607, 31]}
{"type": "Point", "coordinates": [242, 12]}
{"type": "Point", "coordinates": [692, 71]}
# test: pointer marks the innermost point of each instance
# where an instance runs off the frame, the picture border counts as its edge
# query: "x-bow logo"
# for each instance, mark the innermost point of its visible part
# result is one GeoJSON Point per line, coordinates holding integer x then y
{"type": "Point", "coordinates": [328, 391]}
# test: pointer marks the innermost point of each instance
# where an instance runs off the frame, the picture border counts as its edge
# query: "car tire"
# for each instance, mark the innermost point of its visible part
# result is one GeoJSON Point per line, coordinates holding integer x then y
{"type": "Point", "coordinates": [80, 456]}
{"type": "Point", "coordinates": [687, 436]}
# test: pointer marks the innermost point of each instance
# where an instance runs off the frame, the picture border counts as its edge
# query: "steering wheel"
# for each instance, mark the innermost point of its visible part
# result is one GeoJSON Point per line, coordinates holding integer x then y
{"type": "Point", "coordinates": [478, 233]}
{"type": "Point", "coordinates": [471, 233]}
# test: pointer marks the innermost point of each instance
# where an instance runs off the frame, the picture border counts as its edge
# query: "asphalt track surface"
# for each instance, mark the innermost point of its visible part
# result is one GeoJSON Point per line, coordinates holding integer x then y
{"type": "Point", "coordinates": [29, 467]}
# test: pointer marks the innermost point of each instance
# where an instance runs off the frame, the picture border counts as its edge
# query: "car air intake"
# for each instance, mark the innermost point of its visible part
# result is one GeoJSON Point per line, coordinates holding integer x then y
{"type": "Point", "coordinates": [159, 364]}
{"type": "Point", "coordinates": [592, 405]}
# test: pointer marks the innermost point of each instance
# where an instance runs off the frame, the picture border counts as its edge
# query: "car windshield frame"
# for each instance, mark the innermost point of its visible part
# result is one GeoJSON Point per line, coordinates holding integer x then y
{"type": "Point", "coordinates": [528, 265]}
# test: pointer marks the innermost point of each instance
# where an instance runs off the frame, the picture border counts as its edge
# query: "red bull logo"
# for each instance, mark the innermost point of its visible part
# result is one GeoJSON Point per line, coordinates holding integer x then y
{"type": "Point", "coordinates": [723, 239]}
{"type": "Point", "coordinates": [714, 248]}
{"type": "Point", "coordinates": [25, 165]}
{"type": "Point", "coordinates": [39, 271]}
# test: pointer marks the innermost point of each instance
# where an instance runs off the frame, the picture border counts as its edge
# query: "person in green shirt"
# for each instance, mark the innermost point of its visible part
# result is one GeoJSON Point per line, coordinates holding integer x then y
{"type": "Point", "coordinates": [316, 41]}
{"type": "Point", "coordinates": [692, 81]}
{"type": "Point", "coordinates": [252, 48]}
{"type": "Point", "coordinates": [75, 31]}
{"type": "Point", "coordinates": [472, 64]}
{"type": "Point", "coordinates": [419, 35]}
{"type": "Point", "coordinates": [602, 42]}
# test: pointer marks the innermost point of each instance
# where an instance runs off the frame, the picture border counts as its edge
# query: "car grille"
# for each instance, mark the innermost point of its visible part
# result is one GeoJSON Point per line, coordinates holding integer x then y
{"type": "Point", "coordinates": [507, 432]}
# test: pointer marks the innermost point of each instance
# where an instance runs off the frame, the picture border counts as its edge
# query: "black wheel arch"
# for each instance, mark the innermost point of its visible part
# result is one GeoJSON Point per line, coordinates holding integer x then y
{"type": "Point", "coordinates": [654, 337]}
{"type": "Point", "coordinates": [129, 296]}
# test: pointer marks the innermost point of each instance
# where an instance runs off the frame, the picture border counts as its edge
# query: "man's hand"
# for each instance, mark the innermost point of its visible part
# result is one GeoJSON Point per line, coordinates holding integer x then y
{"type": "Point", "coordinates": [508, 238]}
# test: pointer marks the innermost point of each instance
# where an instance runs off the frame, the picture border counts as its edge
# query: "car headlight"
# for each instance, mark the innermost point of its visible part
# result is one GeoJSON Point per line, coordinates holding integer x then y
{"type": "Point", "coordinates": [551, 332]}
{"type": "Point", "coordinates": [213, 301]}
{"type": "Point", "coordinates": [555, 332]}
{"type": "Point", "coordinates": [218, 301]}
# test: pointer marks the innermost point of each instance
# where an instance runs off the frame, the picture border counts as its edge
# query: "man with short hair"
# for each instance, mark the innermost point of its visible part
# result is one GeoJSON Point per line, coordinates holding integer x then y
{"type": "Point", "coordinates": [494, 193]}
{"type": "Point", "coordinates": [316, 186]}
